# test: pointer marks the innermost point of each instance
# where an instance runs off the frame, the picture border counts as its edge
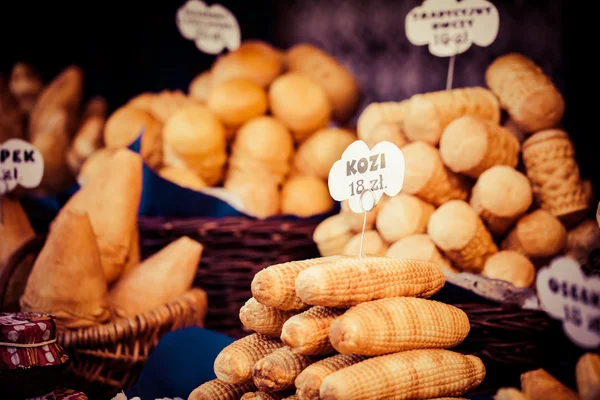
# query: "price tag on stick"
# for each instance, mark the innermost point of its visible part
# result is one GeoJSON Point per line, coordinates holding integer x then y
{"type": "Point", "coordinates": [20, 164]}
{"type": "Point", "coordinates": [212, 28]}
{"type": "Point", "coordinates": [450, 27]}
{"type": "Point", "coordinates": [363, 175]}
{"type": "Point", "coordinates": [568, 295]}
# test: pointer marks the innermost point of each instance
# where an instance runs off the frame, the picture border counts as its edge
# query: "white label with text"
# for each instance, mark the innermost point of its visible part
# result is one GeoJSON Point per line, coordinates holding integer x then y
{"type": "Point", "coordinates": [450, 27]}
{"type": "Point", "coordinates": [567, 294]}
{"type": "Point", "coordinates": [213, 28]}
{"type": "Point", "coordinates": [360, 170]}
{"type": "Point", "coordinates": [20, 164]}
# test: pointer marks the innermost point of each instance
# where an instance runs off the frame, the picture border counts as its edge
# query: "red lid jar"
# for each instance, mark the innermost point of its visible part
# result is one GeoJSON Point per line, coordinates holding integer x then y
{"type": "Point", "coordinates": [31, 361]}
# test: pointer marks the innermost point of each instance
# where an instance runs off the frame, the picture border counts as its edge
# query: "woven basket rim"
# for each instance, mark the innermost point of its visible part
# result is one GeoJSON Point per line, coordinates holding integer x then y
{"type": "Point", "coordinates": [122, 329]}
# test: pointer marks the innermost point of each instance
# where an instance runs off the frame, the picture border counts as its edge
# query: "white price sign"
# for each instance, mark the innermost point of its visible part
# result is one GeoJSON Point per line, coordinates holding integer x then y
{"type": "Point", "coordinates": [20, 164]}
{"type": "Point", "coordinates": [361, 171]}
{"type": "Point", "coordinates": [567, 294]}
{"type": "Point", "coordinates": [450, 27]}
{"type": "Point", "coordinates": [213, 28]}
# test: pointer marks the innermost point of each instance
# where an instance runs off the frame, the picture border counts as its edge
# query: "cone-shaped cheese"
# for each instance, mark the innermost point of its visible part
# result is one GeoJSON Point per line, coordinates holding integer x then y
{"type": "Point", "coordinates": [160, 279]}
{"type": "Point", "coordinates": [15, 229]}
{"type": "Point", "coordinates": [67, 279]}
{"type": "Point", "coordinates": [112, 199]}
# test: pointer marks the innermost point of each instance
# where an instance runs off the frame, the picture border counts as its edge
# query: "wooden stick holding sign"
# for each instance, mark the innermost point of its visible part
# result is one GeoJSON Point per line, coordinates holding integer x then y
{"type": "Point", "coordinates": [450, 27]}
{"type": "Point", "coordinates": [20, 164]}
{"type": "Point", "coordinates": [363, 175]}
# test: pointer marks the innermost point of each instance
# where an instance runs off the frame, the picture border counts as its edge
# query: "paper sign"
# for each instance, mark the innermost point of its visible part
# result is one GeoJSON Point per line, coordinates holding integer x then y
{"type": "Point", "coordinates": [449, 27]}
{"type": "Point", "coordinates": [362, 176]}
{"type": "Point", "coordinates": [567, 294]}
{"type": "Point", "coordinates": [20, 163]}
{"type": "Point", "coordinates": [213, 28]}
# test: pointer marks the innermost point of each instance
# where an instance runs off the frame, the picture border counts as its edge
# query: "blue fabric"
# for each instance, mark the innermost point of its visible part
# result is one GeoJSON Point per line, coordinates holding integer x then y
{"type": "Point", "coordinates": [181, 362]}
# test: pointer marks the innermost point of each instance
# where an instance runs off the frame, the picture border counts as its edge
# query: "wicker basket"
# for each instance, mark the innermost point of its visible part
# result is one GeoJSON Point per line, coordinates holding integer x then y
{"type": "Point", "coordinates": [510, 341]}
{"type": "Point", "coordinates": [108, 358]}
{"type": "Point", "coordinates": [235, 249]}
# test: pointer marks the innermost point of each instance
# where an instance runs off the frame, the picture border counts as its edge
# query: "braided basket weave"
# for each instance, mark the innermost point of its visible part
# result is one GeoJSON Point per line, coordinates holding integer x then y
{"type": "Point", "coordinates": [108, 358]}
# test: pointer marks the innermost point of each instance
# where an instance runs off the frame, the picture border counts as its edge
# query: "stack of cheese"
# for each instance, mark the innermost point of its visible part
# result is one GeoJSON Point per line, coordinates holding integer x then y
{"type": "Point", "coordinates": [89, 269]}
{"type": "Point", "coordinates": [540, 385]}
{"type": "Point", "coordinates": [257, 124]}
{"type": "Point", "coordinates": [467, 202]}
{"type": "Point", "coordinates": [346, 328]}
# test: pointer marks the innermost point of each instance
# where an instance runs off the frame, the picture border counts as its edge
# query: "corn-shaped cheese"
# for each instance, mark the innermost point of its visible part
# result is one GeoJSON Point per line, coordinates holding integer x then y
{"type": "Point", "coordinates": [309, 381]}
{"type": "Point", "coordinates": [397, 324]}
{"type": "Point", "coordinates": [265, 396]}
{"type": "Point", "coordinates": [308, 333]}
{"type": "Point", "coordinates": [350, 281]}
{"type": "Point", "coordinates": [509, 394]}
{"type": "Point", "coordinates": [410, 375]}
{"type": "Point", "coordinates": [216, 389]}
{"type": "Point", "coordinates": [278, 370]}
{"type": "Point", "coordinates": [234, 364]}
{"type": "Point", "coordinates": [540, 385]}
{"type": "Point", "coordinates": [588, 376]}
{"type": "Point", "coordinates": [263, 319]}
{"type": "Point", "coordinates": [274, 285]}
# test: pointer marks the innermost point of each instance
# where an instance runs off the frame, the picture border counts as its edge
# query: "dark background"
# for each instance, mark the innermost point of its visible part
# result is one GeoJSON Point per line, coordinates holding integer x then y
{"type": "Point", "coordinates": [126, 48]}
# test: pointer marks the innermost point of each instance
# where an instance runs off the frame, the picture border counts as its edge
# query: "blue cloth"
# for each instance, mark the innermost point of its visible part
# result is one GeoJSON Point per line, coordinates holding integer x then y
{"type": "Point", "coordinates": [181, 362]}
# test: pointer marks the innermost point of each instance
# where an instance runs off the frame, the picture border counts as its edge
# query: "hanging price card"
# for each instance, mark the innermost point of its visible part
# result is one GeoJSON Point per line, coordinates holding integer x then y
{"type": "Point", "coordinates": [20, 164]}
{"type": "Point", "coordinates": [360, 170]}
{"type": "Point", "coordinates": [450, 27]}
{"type": "Point", "coordinates": [213, 28]}
{"type": "Point", "coordinates": [567, 294]}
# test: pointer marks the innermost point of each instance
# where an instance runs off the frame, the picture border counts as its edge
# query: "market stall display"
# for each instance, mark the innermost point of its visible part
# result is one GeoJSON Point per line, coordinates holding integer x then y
{"type": "Point", "coordinates": [344, 339]}
{"type": "Point", "coordinates": [223, 188]}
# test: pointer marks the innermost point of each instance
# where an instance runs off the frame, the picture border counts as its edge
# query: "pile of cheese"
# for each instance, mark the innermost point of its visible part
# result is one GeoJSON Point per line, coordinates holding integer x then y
{"type": "Point", "coordinates": [258, 124]}
{"type": "Point", "coordinates": [484, 192]}
{"type": "Point", "coordinates": [346, 328]}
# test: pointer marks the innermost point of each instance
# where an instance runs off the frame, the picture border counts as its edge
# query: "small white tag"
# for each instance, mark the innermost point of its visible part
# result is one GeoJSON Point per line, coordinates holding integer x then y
{"type": "Point", "coordinates": [567, 294]}
{"type": "Point", "coordinates": [213, 28]}
{"type": "Point", "coordinates": [360, 171]}
{"type": "Point", "coordinates": [449, 27]}
{"type": "Point", "coordinates": [20, 164]}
